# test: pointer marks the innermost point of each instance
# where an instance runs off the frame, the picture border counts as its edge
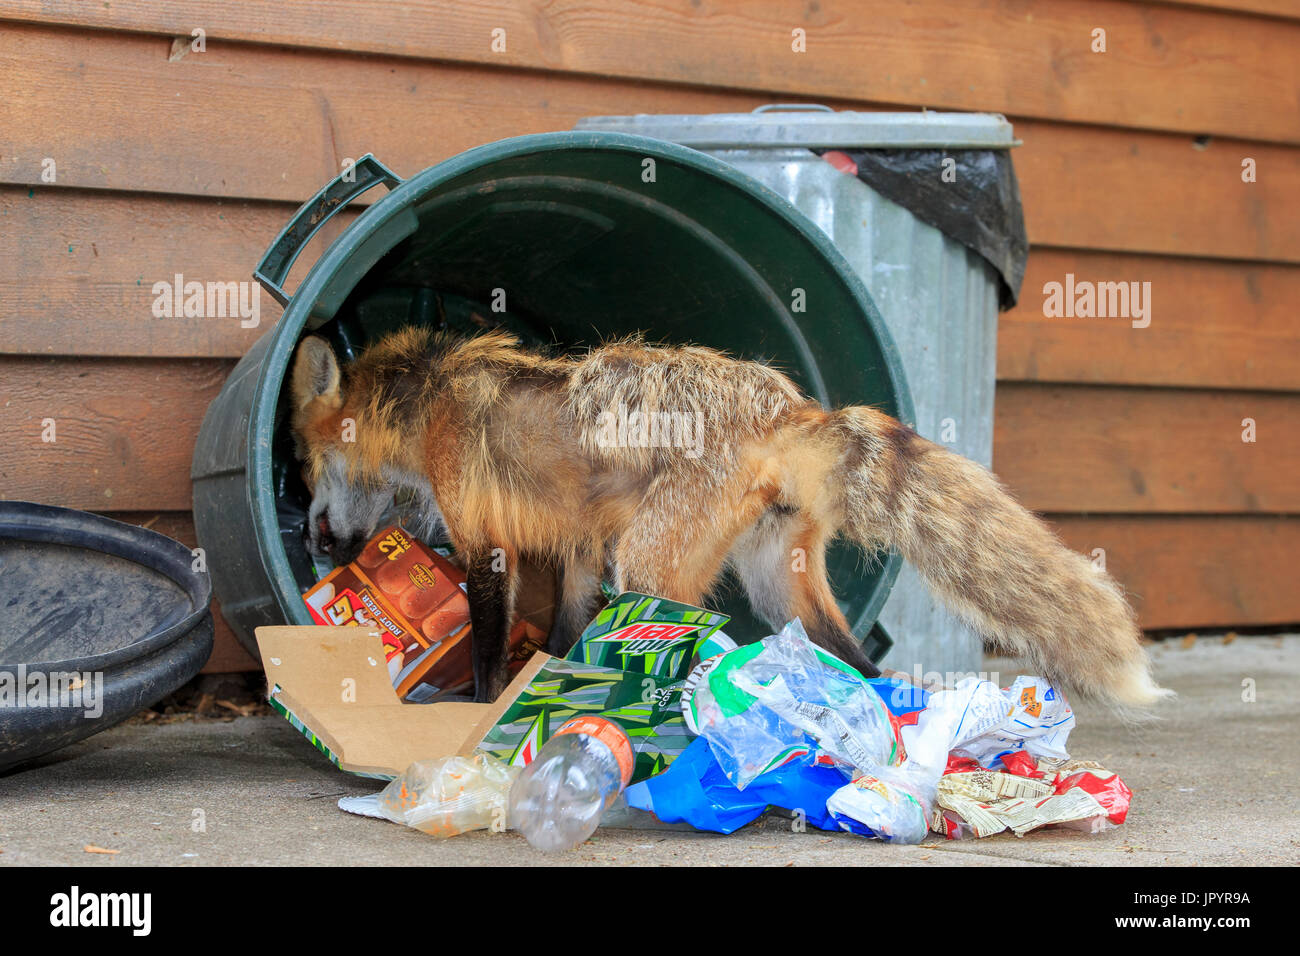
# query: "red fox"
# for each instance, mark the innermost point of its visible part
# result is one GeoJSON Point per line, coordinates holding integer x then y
{"type": "Point", "coordinates": [667, 464]}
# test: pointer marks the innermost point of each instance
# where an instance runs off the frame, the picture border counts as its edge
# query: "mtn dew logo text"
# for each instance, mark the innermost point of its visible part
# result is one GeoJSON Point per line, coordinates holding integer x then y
{"type": "Point", "coordinates": [647, 635]}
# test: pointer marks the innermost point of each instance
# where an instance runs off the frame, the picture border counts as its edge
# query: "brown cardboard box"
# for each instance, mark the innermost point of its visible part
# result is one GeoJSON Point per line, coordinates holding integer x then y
{"type": "Point", "coordinates": [416, 599]}
{"type": "Point", "coordinates": [333, 685]}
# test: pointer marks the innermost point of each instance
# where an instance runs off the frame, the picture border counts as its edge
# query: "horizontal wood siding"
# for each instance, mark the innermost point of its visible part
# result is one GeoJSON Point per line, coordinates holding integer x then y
{"type": "Point", "coordinates": [1128, 436]}
{"type": "Point", "coordinates": [248, 122]}
{"type": "Point", "coordinates": [1192, 70]}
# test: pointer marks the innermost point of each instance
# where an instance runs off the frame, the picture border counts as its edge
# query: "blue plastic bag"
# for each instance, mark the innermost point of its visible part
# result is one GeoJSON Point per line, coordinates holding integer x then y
{"type": "Point", "coordinates": [696, 791]}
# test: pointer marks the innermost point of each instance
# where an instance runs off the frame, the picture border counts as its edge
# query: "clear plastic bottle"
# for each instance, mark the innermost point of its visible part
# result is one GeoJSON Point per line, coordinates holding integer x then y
{"type": "Point", "coordinates": [558, 800]}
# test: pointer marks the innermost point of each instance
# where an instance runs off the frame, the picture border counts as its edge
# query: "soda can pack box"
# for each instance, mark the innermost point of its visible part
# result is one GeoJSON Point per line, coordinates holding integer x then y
{"type": "Point", "coordinates": [416, 600]}
{"type": "Point", "coordinates": [629, 666]}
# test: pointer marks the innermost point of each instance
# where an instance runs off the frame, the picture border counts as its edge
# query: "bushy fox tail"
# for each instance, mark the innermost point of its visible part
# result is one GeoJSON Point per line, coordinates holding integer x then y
{"type": "Point", "coordinates": [994, 563]}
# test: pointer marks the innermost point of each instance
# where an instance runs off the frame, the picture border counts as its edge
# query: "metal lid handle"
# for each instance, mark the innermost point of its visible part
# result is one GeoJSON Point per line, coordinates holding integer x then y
{"type": "Point", "coordinates": [793, 108]}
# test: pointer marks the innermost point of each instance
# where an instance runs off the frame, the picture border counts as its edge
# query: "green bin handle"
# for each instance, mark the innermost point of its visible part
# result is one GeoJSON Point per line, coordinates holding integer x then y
{"type": "Point", "coordinates": [367, 173]}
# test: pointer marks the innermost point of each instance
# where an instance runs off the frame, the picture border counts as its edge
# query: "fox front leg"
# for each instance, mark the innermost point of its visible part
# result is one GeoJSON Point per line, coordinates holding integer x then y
{"type": "Point", "coordinates": [577, 597]}
{"type": "Point", "coordinates": [491, 576]}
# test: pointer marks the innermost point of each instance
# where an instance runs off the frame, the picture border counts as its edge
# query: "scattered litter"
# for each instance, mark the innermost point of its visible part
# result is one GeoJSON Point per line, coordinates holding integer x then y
{"type": "Point", "coordinates": [329, 689]}
{"type": "Point", "coordinates": [977, 802]}
{"type": "Point", "coordinates": [782, 698]}
{"type": "Point", "coordinates": [91, 848]}
{"type": "Point", "coordinates": [1038, 723]}
{"type": "Point", "coordinates": [764, 703]}
{"type": "Point", "coordinates": [896, 803]}
{"type": "Point", "coordinates": [695, 790]}
{"type": "Point", "coordinates": [656, 718]}
{"type": "Point", "coordinates": [786, 704]}
{"type": "Point", "coordinates": [443, 797]}
{"type": "Point", "coordinates": [628, 665]}
{"type": "Point", "coordinates": [626, 670]}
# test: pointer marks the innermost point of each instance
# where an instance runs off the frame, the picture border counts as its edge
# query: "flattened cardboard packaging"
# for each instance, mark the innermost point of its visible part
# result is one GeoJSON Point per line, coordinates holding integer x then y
{"type": "Point", "coordinates": [646, 634]}
{"type": "Point", "coordinates": [333, 685]}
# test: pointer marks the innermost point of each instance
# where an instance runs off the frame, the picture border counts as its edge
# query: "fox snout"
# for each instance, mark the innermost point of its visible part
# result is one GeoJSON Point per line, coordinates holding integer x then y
{"type": "Point", "coordinates": [344, 516]}
{"type": "Point", "coordinates": [342, 549]}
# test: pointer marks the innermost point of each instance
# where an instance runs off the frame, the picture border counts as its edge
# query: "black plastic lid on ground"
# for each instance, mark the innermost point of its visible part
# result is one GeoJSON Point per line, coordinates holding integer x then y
{"type": "Point", "coordinates": [98, 620]}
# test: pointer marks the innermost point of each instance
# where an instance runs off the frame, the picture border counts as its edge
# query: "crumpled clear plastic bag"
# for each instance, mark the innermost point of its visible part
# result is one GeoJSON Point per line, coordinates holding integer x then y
{"type": "Point", "coordinates": [443, 797]}
{"type": "Point", "coordinates": [895, 803]}
{"type": "Point", "coordinates": [769, 702]}
{"type": "Point", "coordinates": [1038, 720]}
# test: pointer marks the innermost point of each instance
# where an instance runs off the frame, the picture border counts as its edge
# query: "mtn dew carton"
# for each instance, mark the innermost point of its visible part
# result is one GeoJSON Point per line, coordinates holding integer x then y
{"type": "Point", "coordinates": [629, 666]}
{"type": "Point", "coordinates": [646, 635]}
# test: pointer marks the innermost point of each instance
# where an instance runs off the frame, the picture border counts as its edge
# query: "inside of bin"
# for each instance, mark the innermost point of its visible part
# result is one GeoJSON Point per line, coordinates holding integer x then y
{"type": "Point", "coordinates": [586, 253]}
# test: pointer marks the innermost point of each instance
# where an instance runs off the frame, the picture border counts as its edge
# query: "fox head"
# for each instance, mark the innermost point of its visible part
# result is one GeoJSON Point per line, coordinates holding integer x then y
{"type": "Point", "coordinates": [346, 503]}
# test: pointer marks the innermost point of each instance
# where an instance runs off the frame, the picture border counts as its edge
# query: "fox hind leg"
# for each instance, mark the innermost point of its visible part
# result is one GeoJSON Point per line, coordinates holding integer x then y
{"type": "Point", "coordinates": [762, 558]}
{"type": "Point", "coordinates": [781, 561]}
{"type": "Point", "coordinates": [677, 545]}
{"type": "Point", "coordinates": [777, 551]}
{"type": "Point", "coordinates": [827, 627]}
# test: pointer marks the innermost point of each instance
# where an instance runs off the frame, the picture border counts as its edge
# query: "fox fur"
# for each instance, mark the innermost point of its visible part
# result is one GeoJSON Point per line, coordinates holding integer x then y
{"type": "Point", "coordinates": [512, 448]}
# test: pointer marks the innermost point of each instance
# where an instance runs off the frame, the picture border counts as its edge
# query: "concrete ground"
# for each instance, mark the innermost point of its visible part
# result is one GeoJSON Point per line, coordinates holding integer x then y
{"type": "Point", "coordinates": [1214, 782]}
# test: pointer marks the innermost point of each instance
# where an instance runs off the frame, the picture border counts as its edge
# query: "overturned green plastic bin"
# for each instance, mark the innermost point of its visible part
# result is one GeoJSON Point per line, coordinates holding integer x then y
{"type": "Point", "coordinates": [580, 237]}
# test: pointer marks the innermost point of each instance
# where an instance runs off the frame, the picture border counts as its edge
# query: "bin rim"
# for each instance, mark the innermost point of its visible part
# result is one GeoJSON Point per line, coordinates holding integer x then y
{"type": "Point", "coordinates": [808, 126]}
{"type": "Point", "coordinates": [259, 484]}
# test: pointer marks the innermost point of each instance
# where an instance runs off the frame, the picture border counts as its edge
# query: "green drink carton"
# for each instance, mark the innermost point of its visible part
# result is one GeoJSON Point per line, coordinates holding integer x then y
{"type": "Point", "coordinates": [628, 665]}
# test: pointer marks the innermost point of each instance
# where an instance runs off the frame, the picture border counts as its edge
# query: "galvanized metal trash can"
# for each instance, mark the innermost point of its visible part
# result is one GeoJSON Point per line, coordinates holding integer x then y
{"type": "Point", "coordinates": [938, 297]}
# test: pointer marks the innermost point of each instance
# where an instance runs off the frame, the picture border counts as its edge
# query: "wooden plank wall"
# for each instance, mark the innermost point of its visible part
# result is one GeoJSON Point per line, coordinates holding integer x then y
{"type": "Point", "coordinates": [172, 160]}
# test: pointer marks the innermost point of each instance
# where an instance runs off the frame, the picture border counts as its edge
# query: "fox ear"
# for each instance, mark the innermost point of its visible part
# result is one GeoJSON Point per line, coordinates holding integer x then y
{"type": "Point", "coordinates": [315, 374]}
